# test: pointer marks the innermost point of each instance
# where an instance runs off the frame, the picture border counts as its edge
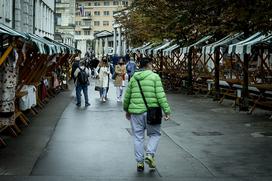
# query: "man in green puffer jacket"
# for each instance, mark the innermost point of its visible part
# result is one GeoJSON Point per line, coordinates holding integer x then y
{"type": "Point", "coordinates": [136, 111]}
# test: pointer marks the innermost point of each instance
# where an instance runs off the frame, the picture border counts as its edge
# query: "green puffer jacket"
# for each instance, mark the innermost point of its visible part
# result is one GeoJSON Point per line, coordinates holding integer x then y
{"type": "Point", "coordinates": [153, 91]}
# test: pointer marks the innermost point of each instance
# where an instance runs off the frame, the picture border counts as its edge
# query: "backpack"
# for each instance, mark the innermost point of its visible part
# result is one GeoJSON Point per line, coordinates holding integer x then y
{"type": "Point", "coordinates": [129, 67]}
{"type": "Point", "coordinates": [82, 77]}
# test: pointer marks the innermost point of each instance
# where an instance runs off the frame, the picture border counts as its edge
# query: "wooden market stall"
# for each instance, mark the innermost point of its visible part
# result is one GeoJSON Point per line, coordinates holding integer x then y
{"type": "Point", "coordinates": [34, 60]}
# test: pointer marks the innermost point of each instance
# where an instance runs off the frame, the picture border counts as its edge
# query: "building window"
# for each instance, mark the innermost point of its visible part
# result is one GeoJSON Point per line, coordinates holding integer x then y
{"type": "Point", "coordinates": [106, 13]}
{"type": "Point", "coordinates": [88, 13]}
{"type": "Point", "coordinates": [58, 18]}
{"type": "Point", "coordinates": [88, 23]}
{"type": "Point", "coordinates": [87, 32]}
{"type": "Point", "coordinates": [96, 3]}
{"type": "Point", "coordinates": [77, 13]}
{"type": "Point", "coordinates": [97, 13]}
{"type": "Point", "coordinates": [89, 4]}
{"type": "Point", "coordinates": [58, 1]}
{"type": "Point", "coordinates": [96, 23]}
{"type": "Point", "coordinates": [78, 32]}
{"type": "Point", "coordinates": [106, 23]}
{"type": "Point", "coordinates": [116, 3]}
{"type": "Point", "coordinates": [78, 22]}
{"type": "Point", "coordinates": [106, 3]}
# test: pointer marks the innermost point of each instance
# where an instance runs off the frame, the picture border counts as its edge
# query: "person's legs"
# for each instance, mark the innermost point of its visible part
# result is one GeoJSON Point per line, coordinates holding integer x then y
{"type": "Point", "coordinates": [153, 131]}
{"type": "Point", "coordinates": [138, 129]}
{"type": "Point", "coordinates": [78, 94]}
{"type": "Point", "coordinates": [101, 92]}
{"type": "Point", "coordinates": [121, 93]}
{"type": "Point", "coordinates": [85, 92]}
{"type": "Point", "coordinates": [104, 93]}
{"type": "Point", "coordinates": [118, 93]}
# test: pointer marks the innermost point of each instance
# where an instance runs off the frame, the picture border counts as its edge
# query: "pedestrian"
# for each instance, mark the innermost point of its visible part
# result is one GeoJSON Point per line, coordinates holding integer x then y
{"type": "Point", "coordinates": [120, 73]}
{"type": "Point", "coordinates": [103, 73]}
{"type": "Point", "coordinates": [74, 67]}
{"type": "Point", "coordinates": [145, 91]}
{"type": "Point", "coordinates": [130, 68]}
{"type": "Point", "coordinates": [81, 75]}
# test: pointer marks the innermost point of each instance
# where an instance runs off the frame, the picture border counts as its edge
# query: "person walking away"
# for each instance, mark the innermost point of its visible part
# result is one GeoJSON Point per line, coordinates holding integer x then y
{"type": "Point", "coordinates": [74, 67]}
{"type": "Point", "coordinates": [120, 72]}
{"type": "Point", "coordinates": [130, 68]}
{"type": "Point", "coordinates": [82, 74]}
{"type": "Point", "coordinates": [136, 111]}
{"type": "Point", "coordinates": [103, 76]}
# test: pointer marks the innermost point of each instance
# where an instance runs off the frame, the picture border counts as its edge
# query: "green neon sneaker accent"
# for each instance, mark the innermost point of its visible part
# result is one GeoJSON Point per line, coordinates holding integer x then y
{"type": "Point", "coordinates": [140, 167]}
{"type": "Point", "coordinates": [150, 161]}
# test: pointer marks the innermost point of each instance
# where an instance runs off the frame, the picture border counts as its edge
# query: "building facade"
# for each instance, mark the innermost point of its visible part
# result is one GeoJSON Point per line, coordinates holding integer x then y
{"type": "Point", "coordinates": [31, 16]}
{"type": "Point", "coordinates": [94, 16]}
{"type": "Point", "coordinates": [65, 21]}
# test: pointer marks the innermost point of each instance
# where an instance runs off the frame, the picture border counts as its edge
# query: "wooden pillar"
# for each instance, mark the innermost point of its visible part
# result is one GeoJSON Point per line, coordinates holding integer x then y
{"type": "Point", "coordinates": [5, 55]}
{"type": "Point", "coordinates": [190, 90]}
{"type": "Point", "coordinates": [244, 106]}
{"type": "Point", "coordinates": [161, 63]}
{"type": "Point", "coordinates": [217, 74]}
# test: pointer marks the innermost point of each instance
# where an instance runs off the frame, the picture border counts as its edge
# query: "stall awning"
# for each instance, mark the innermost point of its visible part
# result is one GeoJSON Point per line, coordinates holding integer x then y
{"type": "Point", "coordinates": [9, 31]}
{"type": "Point", "coordinates": [142, 50]}
{"type": "Point", "coordinates": [236, 47]}
{"type": "Point", "coordinates": [139, 48]}
{"type": "Point", "coordinates": [230, 39]}
{"type": "Point", "coordinates": [163, 46]}
{"type": "Point", "coordinates": [169, 50]}
{"type": "Point", "coordinates": [184, 50]}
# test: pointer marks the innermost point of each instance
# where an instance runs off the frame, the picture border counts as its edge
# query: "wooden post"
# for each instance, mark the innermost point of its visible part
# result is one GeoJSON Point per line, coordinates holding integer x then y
{"type": "Point", "coordinates": [161, 63]}
{"type": "Point", "coordinates": [190, 90]}
{"type": "Point", "coordinates": [216, 75]}
{"type": "Point", "coordinates": [244, 106]}
{"type": "Point", "coordinates": [5, 55]}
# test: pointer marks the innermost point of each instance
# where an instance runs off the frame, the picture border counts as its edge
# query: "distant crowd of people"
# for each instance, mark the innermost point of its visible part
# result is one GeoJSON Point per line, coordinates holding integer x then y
{"type": "Point", "coordinates": [116, 68]}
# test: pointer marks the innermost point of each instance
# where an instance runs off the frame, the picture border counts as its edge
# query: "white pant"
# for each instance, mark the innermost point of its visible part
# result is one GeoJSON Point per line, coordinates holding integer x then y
{"type": "Point", "coordinates": [119, 92]}
{"type": "Point", "coordinates": [138, 124]}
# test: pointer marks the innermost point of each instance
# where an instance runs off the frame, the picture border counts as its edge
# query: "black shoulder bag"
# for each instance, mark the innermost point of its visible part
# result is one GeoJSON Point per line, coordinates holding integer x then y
{"type": "Point", "coordinates": [154, 114]}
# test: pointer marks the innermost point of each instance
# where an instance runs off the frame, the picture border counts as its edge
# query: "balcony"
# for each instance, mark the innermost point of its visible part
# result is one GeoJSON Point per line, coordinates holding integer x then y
{"type": "Point", "coordinates": [62, 5]}
{"type": "Point", "coordinates": [86, 17]}
{"type": "Point", "coordinates": [86, 27]}
{"type": "Point", "coordinates": [84, 37]}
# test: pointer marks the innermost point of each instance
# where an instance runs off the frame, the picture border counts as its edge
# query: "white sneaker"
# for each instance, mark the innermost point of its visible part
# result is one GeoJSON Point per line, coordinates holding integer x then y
{"type": "Point", "coordinates": [104, 100]}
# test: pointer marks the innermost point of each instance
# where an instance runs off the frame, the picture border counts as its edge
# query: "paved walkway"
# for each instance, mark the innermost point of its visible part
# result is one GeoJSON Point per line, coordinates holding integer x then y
{"type": "Point", "coordinates": [203, 141]}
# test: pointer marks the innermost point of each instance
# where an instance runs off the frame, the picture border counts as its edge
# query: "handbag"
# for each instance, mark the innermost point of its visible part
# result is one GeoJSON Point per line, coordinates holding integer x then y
{"type": "Point", "coordinates": [154, 114]}
{"type": "Point", "coordinates": [97, 85]}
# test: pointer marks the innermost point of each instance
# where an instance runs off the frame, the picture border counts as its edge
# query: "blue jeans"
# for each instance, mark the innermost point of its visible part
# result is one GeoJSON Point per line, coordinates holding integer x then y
{"type": "Point", "coordinates": [85, 92]}
{"type": "Point", "coordinates": [103, 92]}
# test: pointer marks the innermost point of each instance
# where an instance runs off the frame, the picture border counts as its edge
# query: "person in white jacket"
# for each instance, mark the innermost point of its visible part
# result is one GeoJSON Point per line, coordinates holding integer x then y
{"type": "Point", "coordinates": [103, 72]}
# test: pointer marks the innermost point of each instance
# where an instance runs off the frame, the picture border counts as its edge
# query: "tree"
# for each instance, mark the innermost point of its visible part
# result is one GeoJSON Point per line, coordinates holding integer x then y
{"type": "Point", "coordinates": [155, 20]}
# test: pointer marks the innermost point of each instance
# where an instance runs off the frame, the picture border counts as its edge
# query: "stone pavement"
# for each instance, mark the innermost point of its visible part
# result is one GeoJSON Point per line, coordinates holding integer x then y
{"type": "Point", "coordinates": [203, 141]}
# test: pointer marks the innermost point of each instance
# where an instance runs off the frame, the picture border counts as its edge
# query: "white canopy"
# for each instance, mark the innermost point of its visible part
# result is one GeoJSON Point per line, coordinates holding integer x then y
{"type": "Point", "coordinates": [230, 39]}
{"type": "Point", "coordinates": [162, 47]}
{"type": "Point", "coordinates": [184, 50]}
{"type": "Point", "coordinates": [232, 47]}
{"type": "Point", "coordinates": [169, 50]}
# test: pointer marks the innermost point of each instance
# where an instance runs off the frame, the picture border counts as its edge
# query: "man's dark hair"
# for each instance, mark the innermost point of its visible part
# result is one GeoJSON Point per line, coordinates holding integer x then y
{"type": "Point", "coordinates": [144, 62]}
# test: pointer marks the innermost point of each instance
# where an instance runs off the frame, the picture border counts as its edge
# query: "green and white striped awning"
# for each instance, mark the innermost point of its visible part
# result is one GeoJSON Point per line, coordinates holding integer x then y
{"type": "Point", "coordinates": [169, 50]}
{"type": "Point", "coordinates": [142, 50]}
{"type": "Point", "coordinates": [245, 45]}
{"type": "Point", "coordinates": [230, 39]}
{"type": "Point", "coordinates": [5, 30]}
{"type": "Point", "coordinates": [184, 50]}
{"type": "Point", "coordinates": [163, 46]}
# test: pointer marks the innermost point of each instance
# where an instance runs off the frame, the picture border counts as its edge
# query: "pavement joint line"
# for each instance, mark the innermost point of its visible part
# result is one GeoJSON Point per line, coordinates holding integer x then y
{"type": "Point", "coordinates": [50, 137]}
{"type": "Point", "coordinates": [189, 154]}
